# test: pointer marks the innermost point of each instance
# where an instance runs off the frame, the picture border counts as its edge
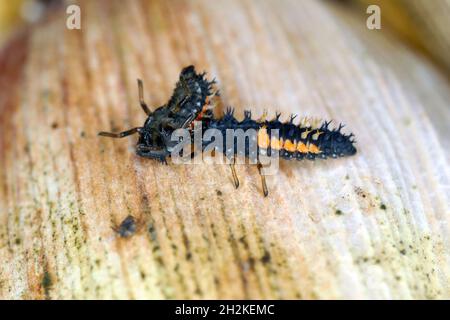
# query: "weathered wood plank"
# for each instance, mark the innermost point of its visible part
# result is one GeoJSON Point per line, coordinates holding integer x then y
{"type": "Point", "coordinates": [372, 226]}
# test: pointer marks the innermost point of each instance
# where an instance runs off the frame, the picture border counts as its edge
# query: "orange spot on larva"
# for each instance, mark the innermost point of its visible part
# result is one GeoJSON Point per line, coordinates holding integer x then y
{"type": "Point", "coordinates": [276, 144]}
{"type": "Point", "coordinates": [312, 148]}
{"type": "Point", "coordinates": [289, 146]}
{"type": "Point", "coordinates": [302, 148]}
{"type": "Point", "coordinates": [263, 138]}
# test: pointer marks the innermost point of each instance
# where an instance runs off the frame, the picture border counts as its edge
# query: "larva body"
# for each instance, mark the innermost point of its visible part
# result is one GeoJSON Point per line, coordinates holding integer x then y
{"type": "Point", "coordinates": [302, 141]}
{"type": "Point", "coordinates": [189, 97]}
{"type": "Point", "coordinates": [186, 104]}
{"type": "Point", "coordinates": [189, 103]}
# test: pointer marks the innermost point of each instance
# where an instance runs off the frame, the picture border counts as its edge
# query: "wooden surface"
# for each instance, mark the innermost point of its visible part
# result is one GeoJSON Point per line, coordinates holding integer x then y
{"type": "Point", "coordinates": [372, 226]}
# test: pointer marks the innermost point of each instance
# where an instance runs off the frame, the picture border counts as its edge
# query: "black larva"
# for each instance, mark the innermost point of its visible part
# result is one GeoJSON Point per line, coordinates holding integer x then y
{"type": "Point", "coordinates": [188, 103]}
{"type": "Point", "coordinates": [185, 105]}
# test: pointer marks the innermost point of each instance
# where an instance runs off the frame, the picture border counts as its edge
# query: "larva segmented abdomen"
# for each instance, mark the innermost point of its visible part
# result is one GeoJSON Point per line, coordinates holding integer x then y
{"type": "Point", "coordinates": [290, 140]}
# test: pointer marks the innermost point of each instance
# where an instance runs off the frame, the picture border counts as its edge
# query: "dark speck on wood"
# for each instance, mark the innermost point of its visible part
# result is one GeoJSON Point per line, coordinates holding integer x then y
{"type": "Point", "coordinates": [127, 228]}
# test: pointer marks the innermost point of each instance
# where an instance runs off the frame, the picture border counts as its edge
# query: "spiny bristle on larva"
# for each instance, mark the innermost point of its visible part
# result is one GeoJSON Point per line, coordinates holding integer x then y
{"type": "Point", "coordinates": [303, 122]}
{"type": "Point", "coordinates": [263, 116]}
{"type": "Point", "coordinates": [310, 122]}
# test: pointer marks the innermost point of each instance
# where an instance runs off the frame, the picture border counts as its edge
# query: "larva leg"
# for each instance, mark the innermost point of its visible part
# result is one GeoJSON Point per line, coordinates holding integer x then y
{"type": "Point", "coordinates": [152, 153]}
{"type": "Point", "coordinates": [263, 181]}
{"type": "Point", "coordinates": [141, 97]}
{"type": "Point", "coordinates": [120, 134]}
{"type": "Point", "coordinates": [233, 171]}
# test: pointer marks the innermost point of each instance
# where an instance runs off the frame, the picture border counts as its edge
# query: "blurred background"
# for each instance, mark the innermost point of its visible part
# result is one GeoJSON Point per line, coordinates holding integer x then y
{"type": "Point", "coordinates": [17, 13]}
{"type": "Point", "coordinates": [423, 25]}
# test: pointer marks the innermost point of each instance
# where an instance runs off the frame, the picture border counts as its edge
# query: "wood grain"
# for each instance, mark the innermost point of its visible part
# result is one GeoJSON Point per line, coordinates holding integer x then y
{"type": "Point", "coordinates": [372, 226]}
